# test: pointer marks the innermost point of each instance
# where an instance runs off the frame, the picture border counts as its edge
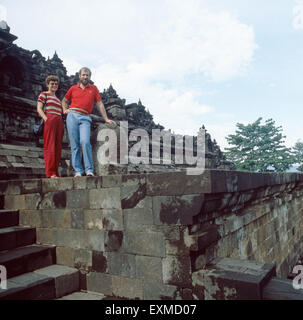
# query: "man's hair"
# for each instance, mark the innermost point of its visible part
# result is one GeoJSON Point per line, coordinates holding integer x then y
{"type": "Point", "coordinates": [85, 69]}
{"type": "Point", "coordinates": [51, 78]}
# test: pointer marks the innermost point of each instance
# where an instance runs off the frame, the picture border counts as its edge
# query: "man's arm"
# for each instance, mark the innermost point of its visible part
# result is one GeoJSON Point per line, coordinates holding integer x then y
{"type": "Point", "coordinates": [102, 110]}
{"type": "Point", "coordinates": [65, 106]}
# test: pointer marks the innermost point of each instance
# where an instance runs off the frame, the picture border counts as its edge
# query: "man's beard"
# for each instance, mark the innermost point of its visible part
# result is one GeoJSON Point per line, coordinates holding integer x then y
{"type": "Point", "coordinates": [84, 82]}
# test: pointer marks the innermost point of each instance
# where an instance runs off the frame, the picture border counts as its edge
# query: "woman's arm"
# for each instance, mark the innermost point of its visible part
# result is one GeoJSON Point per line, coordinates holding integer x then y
{"type": "Point", "coordinates": [40, 111]}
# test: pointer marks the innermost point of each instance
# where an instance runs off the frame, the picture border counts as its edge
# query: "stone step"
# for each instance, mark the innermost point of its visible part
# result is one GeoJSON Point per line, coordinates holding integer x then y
{"type": "Point", "coordinates": [83, 295]}
{"type": "Point", "coordinates": [9, 218]}
{"type": "Point", "coordinates": [27, 259]}
{"type": "Point", "coordinates": [48, 283]}
{"type": "Point", "coordinates": [15, 237]}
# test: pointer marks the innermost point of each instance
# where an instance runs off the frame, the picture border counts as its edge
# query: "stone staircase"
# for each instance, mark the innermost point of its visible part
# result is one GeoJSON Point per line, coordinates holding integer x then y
{"type": "Point", "coordinates": [32, 273]}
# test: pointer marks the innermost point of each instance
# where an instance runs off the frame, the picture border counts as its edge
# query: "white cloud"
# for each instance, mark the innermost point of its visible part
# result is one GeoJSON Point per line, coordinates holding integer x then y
{"type": "Point", "coordinates": [149, 53]}
{"type": "Point", "coordinates": [298, 14]}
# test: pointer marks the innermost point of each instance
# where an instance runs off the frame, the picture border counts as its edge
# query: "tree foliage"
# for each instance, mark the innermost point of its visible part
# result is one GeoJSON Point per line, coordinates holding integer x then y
{"type": "Point", "coordinates": [298, 153]}
{"type": "Point", "coordinates": [259, 148]}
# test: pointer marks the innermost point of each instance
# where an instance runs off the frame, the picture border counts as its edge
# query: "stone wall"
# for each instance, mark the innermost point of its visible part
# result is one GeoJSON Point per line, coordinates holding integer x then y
{"type": "Point", "coordinates": [145, 236]}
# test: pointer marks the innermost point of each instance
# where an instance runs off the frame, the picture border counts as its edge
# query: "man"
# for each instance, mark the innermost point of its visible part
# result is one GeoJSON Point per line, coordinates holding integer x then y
{"type": "Point", "coordinates": [82, 98]}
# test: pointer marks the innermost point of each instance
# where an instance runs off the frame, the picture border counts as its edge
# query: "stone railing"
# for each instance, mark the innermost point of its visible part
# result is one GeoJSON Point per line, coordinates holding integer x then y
{"type": "Point", "coordinates": [147, 236]}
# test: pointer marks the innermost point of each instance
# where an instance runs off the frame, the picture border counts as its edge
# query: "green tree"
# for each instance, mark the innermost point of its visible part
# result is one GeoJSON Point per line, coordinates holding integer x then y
{"type": "Point", "coordinates": [298, 152]}
{"type": "Point", "coordinates": [259, 148]}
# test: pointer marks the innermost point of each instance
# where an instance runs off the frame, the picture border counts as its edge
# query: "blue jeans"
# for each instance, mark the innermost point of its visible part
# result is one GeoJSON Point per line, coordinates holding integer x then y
{"type": "Point", "coordinates": [78, 127]}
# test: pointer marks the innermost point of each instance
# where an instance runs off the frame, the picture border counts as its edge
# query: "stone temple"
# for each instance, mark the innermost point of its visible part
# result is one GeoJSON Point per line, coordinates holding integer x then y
{"type": "Point", "coordinates": [139, 232]}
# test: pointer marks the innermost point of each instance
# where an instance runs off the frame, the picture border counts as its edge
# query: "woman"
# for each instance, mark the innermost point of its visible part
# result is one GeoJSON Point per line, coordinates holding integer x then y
{"type": "Point", "coordinates": [53, 126]}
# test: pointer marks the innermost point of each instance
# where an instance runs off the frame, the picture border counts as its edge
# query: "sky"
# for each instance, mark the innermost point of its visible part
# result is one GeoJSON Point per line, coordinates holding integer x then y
{"type": "Point", "coordinates": [194, 62]}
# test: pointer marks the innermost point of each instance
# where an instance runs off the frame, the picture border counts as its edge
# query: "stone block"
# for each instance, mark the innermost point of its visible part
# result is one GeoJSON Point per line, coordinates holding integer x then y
{"type": "Point", "coordinates": [158, 291]}
{"type": "Point", "coordinates": [177, 184]}
{"type": "Point", "coordinates": [112, 219]}
{"type": "Point", "coordinates": [66, 278]}
{"type": "Point", "coordinates": [62, 219]}
{"type": "Point", "coordinates": [143, 243]}
{"type": "Point", "coordinates": [44, 236]}
{"type": "Point", "coordinates": [131, 195]}
{"type": "Point", "coordinates": [22, 202]}
{"type": "Point", "coordinates": [149, 268]}
{"type": "Point", "coordinates": [10, 187]}
{"type": "Point", "coordinates": [113, 241]}
{"type": "Point", "coordinates": [83, 259]}
{"type": "Point", "coordinates": [109, 198]}
{"type": "Point", "coordinates": [65, 256]}
{"type": "Point", "coordinates": [54, 200]}
{"type": "Point", "coordinates": [77, 199]}
{"type": "Point", "coordinates": [112, 181]}
{"type": "Point", "coordinates": [93, 219]}
{"type": "Point", "coordinates": [95, 240]}
{"type": "Point", "coordinates": [177, 271]}
{"type": "Point", "coordinates": [84, 183]}
{"type": "Point", "coordinates": [123, 265]}
{"type": "Point", "coordinates": [55, 185]}
{"type": "Point", "coordinates": [32, 218]}
{"type": "Point", "coordinates": [77, 239]}
{"type": "Point", "coordinates": [127, 288]}
{"type": "Point", "coordinates": [140, 216]}
{"type": "Point", "coordinates": [178, 210]}
{"type": "Point", "coordinates": [99, 262]}
{"type": "Point", "coordinates": [100, 282]}
{"type": "Point", "coordinates": [232, 279]}
{"type": "Point", "coordinates": [77, 219]}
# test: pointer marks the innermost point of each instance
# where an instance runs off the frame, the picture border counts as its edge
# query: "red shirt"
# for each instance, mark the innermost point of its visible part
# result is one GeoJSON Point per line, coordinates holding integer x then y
{"type": "Point", "coordinates": [83, 100]}
{"type": "Point", "coordinates": [53, 104]}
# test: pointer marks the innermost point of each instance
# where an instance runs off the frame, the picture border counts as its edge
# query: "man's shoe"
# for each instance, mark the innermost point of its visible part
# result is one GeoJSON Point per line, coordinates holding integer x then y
{"type": "Point", "coordinates": [90, 174]}
{"type": "Point", "coordinates": [78, 175]}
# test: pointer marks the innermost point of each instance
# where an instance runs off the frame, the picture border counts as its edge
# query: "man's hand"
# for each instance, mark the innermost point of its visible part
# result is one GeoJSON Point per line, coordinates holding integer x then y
{"type": "Point", "coordinates": [108, 121]}
{"type": "Point", "coordinates": [67, 111]}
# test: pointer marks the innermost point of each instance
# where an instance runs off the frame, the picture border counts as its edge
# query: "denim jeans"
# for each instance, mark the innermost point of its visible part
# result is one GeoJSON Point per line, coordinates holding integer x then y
{"type": "Point", "coordinates": [78, 127]}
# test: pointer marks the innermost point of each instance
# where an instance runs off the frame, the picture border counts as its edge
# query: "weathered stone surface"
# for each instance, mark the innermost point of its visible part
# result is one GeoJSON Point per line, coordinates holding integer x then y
{"type": "Point", "coordinates": [77, 199]}
{"type": "Point", "coordinates": [54, 200]}
{"type": "Point", "coordinates": [158, 291]}
{"type": "Point", "coordinates": [22, 202]}
{"type": "Point", "coordinates": [122, 264]}
{"type": "Point", "coordinates": [149, 268]}
{"type": "Point", "coordinates": [127, 288]}
{"type": "Point", "coordinates": [230, 279]}
{"type": "Point", "coordinates": [100, 282]}
{"type": "Point", "coordinates": [113, 240]}
{"type": "Point", "coordinates": [83, 259]}
{"type": "Point", "coordinates": [65, 256]}
{"type": "Point", "coordinates": [99, 262]}
{"type": "Point", "coordinates": [66, 278]}
{"type": "Point", "coordinates": [54, 185]}
{"type": "Point", "coordinates": [112, 181]}
{"type": "Point", "coordinates": [83, 183]}
{"type": "Point", "coordinates": [109, 198]}
{"type": "Point", "coordinates": [93, 219]}
{"type": "Point", "coordinates": [112, 219]}
{"type": "Point", "coordinates": [176, 210]}
{"type": "Point", "coordinates": [77, 219]}
{"type": "Point", "coordinates": [143, 243]}
{"type": "Point", "coordinates": [140, 216]}
{"type": "Point", "coordinates": [95, 240]}
{"type": "Point", "coordinates": [177, 271]}
{"type": "Point", "coordinates": [132, 194]}
{"type": "Point", "coordinates": [177, 183]}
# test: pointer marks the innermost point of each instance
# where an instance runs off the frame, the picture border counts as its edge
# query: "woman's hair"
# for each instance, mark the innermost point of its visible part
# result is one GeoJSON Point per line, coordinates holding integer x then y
{"type": "Point", "coordinates": [51, 78]}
